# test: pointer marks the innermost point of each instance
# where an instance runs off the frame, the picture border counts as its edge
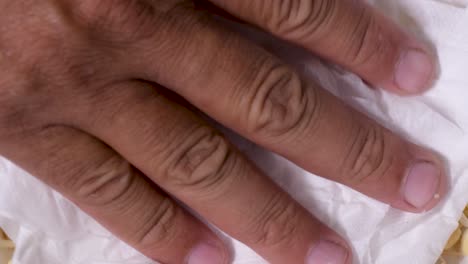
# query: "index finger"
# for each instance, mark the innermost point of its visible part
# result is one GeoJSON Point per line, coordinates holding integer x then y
{"type": "Point", "coordinates": [350, 33]}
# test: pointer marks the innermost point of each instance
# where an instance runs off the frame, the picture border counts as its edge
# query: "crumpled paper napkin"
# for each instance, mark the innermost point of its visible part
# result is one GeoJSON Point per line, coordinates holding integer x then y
{"type": "Point", "coordinates": [48, 229]}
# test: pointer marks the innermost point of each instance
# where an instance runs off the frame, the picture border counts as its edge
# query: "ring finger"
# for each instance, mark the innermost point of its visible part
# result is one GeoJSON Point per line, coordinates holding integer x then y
{"type": "Point", "coordinates": [193, 162]}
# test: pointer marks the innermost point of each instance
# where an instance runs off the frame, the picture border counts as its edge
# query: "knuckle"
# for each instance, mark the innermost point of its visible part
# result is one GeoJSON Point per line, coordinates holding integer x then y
{"type": "Point", "coordinates": [22, 109]}
{"type": "Point", "coordinates": [12, 115]}
{"type": "Point", "coordinates": [14, 123]}
{"type": "Point", "coordinates": [35, 57]}
{"type": "Point", "coordinates": [102, 184]}
{"type": "Point", "coordinates": [276, 223]}
{"type": "Point", "coordinates": [301, 18]}
{"type": "Point", "coordinates": [157, 230]}
{"type": "Point", "coordinates": [202, 160]}
{"type": "Point", "coordinates": [115, 17]}
{"type": "Point", "coordinates": [280, 102]}
{"type": "Point", "coordinates": [25, 43]}
{"type": "Point", "coordinates": [368, 158]}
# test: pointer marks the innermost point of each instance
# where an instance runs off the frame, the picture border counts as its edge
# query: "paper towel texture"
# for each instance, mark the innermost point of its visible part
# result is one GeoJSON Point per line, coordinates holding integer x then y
{"type": "Point", "coordinates": [50, 230]}
{"type": "Point", "coordinates": [458, 3]}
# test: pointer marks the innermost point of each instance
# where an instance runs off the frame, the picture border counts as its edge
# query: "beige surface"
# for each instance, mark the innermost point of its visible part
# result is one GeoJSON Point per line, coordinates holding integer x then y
{"type": "Point", "coordinates": [456, 250]}
{"type": "Point", "coordinates": [6, 248]}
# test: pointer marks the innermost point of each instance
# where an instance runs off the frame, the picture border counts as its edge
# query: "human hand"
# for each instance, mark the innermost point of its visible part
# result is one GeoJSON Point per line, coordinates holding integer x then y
{"type": "Point", "coordinates": [85, 107]}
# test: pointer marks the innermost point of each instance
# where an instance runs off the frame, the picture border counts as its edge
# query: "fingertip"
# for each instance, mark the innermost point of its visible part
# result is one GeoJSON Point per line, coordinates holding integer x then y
{"type": "Point", "coordinates": [416, 68]}
{"type": "Point", "coordinates": [424, 184]}
{"type": "Point", "coordinates": [440, 191]}
{"type": "Point", "coordinates": [415, 71]}
{"type": "Point", "coordinates": [421, 184]}
{"type": "Point", "coordinates": [406, 63]}
{"type": "Point", "coordinates": [326, 251]}
{"type": "Point", "coordinates": [209, 251]}
{"type": "Point", "coordinates": [330, 248]}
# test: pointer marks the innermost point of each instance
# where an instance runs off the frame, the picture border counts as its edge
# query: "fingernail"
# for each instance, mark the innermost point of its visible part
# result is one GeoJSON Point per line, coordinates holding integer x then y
{"type": "Point", "coordinates": [414, 71]}
{"type": "Point", "coordinates": [327, 252]}
{"type": "Point", "coordinates": [206, 253]}
{"type": "Point", "coordinates": [421, 184]}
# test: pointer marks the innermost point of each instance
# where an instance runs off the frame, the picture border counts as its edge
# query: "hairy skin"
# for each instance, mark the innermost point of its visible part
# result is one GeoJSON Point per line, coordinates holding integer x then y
{"type": "Point", "coordinates": [91, 103]}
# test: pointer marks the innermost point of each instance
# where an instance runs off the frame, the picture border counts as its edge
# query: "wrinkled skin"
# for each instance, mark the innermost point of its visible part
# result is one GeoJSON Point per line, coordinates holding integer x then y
{"type": "Point", "coordinates": [91, 103]}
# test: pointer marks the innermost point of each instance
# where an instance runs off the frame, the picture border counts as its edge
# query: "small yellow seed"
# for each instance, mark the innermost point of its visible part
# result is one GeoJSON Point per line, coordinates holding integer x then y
{"type": "Point", "coordinates": [453, 238]}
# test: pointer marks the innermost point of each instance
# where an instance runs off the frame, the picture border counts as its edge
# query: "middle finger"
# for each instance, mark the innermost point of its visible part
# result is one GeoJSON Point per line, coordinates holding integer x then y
{"type": "Point", "coordinates": [253, 92]}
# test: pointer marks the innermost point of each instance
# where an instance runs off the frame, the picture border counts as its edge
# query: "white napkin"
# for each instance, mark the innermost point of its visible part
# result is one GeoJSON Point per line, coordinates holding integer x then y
{"type": "Point", "coordinates": [50, 230]}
